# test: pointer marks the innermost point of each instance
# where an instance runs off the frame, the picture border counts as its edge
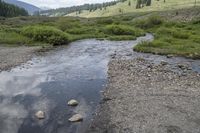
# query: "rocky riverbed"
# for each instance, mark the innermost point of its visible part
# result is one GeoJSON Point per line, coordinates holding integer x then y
{"type": "Point", "coordinates": [146, 97]}
{"type": "Point", "coordinates": [13, 56]}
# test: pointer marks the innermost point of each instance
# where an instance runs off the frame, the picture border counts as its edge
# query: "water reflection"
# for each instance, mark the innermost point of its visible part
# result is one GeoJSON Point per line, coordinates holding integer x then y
{"type": "Point", "coordinates": [75, 71]}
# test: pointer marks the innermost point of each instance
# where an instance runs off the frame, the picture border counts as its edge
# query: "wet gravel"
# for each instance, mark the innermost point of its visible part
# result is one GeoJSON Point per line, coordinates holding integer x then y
{"type": "Point", "coordinates": [13, 56]}
{"type": "Point", "coordinates": [143, 97]}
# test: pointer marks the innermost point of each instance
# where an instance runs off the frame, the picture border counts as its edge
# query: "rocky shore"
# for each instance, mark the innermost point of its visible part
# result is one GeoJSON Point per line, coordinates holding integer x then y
{"type": "Point", "coordinates": [142, 97]}
{"type": "Point", "coordinates": [13, 56]}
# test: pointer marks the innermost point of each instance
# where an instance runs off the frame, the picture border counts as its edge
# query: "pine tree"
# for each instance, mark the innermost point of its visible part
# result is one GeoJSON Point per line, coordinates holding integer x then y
{"type": "Point", "coordinates": [9, 10]}
{"type": "Point", "coordinates": [129, 3]}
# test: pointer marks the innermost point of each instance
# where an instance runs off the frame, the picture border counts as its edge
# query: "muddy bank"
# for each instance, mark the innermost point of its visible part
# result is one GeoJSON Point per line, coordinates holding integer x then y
{"type": "Point", "coordinates": [145, 97]}
{"type": "Point", "coordinates": [13, 56]}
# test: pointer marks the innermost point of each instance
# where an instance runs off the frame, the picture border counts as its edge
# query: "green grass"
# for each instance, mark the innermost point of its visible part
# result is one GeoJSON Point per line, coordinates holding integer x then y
{"type": "Point", "coordinates": [176, 38]}
{"type": "Point", "coordinates": [45, 34]}
{"type": "Point", "coordinates": [171, 37]}
{"type": "Point", "coordinates": [125, 8]}
{"type": "Point", "coordinates": [57, 31]}
{"type": "Point", "coordinates": [13, 38]}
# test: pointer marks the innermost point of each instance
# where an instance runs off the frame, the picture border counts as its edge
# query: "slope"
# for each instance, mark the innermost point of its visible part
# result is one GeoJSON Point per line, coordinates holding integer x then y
{"type": "Point", "coordinates": [30, 8]}
{"type": "Point", "coordinates": [124, 7]}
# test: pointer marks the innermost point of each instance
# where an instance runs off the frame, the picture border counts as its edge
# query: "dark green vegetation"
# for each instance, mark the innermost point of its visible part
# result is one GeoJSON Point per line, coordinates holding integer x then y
{"type": "Point", "coordinates": [177, 35]}
{"type": "Point", "coordinates": [9, 10]}
{"type": "Point", "coordinates": [142, 3]}
{"type": "Point", "coordinates": [57, 31]}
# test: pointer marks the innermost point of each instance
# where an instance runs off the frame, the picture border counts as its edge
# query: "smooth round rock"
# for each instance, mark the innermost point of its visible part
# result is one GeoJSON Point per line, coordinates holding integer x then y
{"type": "Point", "coordinates": [40, 115]}
{"type": "Point", "coordinates": [76, 118]}
{"type": "Point", "coordinates": [72, 102]}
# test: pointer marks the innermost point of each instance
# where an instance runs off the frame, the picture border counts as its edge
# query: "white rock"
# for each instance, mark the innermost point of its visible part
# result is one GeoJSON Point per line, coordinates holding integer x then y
{"type": "Point", "coordinates": [73, 102]}
{"type": "Point", "coordinates": [76, 118]}
{"type": "Point", "coordinates": [40, 115]}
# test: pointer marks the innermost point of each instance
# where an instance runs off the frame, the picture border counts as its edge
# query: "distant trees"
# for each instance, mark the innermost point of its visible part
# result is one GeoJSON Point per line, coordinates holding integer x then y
{"type": "Point", "coordinates": [89, 7]}
{"type": "Point", "coordinates": [142, 3]}
{"type": "Point", "coordinates": [9, 10]}
{"type": "Point", "coordinates": [129, 3]}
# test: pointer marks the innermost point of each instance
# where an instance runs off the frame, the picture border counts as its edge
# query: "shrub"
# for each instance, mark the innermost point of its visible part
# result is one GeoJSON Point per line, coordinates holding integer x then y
{"type": "Point", "coordinates": [105, 21]}
{"type": "Point", "coordinates": [82, 30]}
{"type": "Point", "coordinates": [121, 38]}
{"type": "Point", "coordinates": [120, 30]}
{"type": "Point", "coordinates": [149, 23]}
{"type": "Point", "coordinates": [180, 35]}
{"type": "Point", "coordinates": [45, 34]}
{"type": "Point", "coordinates": [174, 32]}
{"type": "Point", "coordinates": [196, 39]}
{"type": "Point", "coordinates": [66, 23]}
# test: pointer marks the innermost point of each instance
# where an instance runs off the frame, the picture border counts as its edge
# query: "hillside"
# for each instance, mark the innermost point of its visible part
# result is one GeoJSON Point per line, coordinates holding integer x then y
{"type": "Point", "coordinates": [78, 9]}
{"type": "Point", "coordinates": [30, 8]}
{"type": "Point", "coordinates": [125, 7]}
{"type": "Point", "coordinates": [10, 10]}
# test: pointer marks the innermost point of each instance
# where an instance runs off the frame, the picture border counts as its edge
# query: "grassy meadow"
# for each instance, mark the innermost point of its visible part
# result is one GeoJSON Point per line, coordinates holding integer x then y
{"type": "Point", "coordinates": [124, 8]}
{"type": "Point", "coordinates": [173, 34]}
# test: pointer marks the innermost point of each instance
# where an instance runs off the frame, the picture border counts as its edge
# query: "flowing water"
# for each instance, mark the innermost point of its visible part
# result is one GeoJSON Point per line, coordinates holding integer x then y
{"type": "Point", "coordinates": [76, 71]}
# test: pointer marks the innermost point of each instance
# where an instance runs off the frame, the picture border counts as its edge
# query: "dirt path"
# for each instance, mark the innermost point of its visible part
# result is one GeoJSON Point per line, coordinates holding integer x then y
{"type": "Point", "coordinates": [142, 97]}
{"type": "Point", "coordinates": [12, 56]}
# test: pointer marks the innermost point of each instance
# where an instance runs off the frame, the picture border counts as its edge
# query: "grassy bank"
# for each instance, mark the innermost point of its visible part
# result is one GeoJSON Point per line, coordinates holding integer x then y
{"type": "Point", "coordinates": [176, 32]}
{"type": "Point", "coordinates": [174, 38]}
{"type": "Point", "coordinates": [56, 31]}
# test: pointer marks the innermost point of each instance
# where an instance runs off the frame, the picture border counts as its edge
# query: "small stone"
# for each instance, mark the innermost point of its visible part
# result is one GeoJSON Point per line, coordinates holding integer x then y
{"type": "Point", "coordinates": [163, 63]}
{"type": "Point", "coordinates": [76, 118]}
{"type": "Point", "coordinates": [183, 66]}
{"type": "Point", "coordinates": [40, 115]}
{"type": "Point", "coordinates": [73, 102]}
{"type": "Point", "coordinates": [170, 56]}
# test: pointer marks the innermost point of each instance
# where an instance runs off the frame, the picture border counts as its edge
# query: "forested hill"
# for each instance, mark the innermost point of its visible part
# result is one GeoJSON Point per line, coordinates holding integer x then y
{"type": "Point", "coordinates": [78, 9]}
{"type": "Point", "coordinates": [29, 7]}
{"type": "Point", "coordinates": [9, 10]}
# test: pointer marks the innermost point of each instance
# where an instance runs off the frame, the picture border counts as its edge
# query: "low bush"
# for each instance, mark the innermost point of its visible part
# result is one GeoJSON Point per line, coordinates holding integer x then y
{"type": "Point", "coordinates": [180, 34]}
{"type": "Point", "coordinates": [45, 34]}
{"type": "Point", "coordinates": [173, 32]}
{"type": "Point", "coordinates": [149, 22]}
{"type": "Point", "coordinates": [82, 30]}
{"type": "Point", "coordinates": [121, 37]}
{"type": "Point", "coordinates": [105, 21]}
{"type": "Point", "coordinates": [120, 30]}
{"type": "Point", "coordinates": [66, 24]}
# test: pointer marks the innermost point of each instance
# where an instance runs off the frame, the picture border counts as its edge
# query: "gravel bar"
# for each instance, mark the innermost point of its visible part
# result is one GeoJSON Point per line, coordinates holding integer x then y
{"type": "Point", "coordinates": [142, 97]}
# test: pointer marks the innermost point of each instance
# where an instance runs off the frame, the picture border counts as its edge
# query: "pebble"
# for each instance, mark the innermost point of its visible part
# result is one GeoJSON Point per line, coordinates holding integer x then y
{"type": "Point", "coordinates": [163, 63]}
{"type": "Point", "coordinates": [76, 118]}
{"type": "Point", "coordinates": [40, 115]}
{"type": "Point", "coordinates": [73, 102]}
{"type": "Point", "coordinates": [170, 56]}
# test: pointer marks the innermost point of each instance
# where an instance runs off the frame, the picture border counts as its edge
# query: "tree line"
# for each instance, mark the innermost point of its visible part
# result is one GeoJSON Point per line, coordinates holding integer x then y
{"type": "Point", "coordinates": [142, 3]}
{"type": "Point", "coordinates": [78, 9]}
{"type": "Point", "coordinates": [9, 10]}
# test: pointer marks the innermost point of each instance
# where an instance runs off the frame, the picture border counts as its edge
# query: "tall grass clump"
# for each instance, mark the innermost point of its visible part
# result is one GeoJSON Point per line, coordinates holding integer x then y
{"type": "Point", "coordinates": [45, 34]}
{"type": "Point", "coordinates": [13, 38]}
{"type": "Point", "coordinates": [150, 22]}
{"type": "Point", "coordinates": [122, 30]}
